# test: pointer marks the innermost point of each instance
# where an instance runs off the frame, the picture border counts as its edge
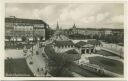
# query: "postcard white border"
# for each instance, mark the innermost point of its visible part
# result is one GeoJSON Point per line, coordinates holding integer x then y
{"type": "Point", "coordinates": [2, 16]}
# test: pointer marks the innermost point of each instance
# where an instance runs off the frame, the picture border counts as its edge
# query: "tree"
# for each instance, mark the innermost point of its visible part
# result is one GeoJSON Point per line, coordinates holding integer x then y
{"type": "Point", "coordinates": [59, 62]}
{"type": "Point", "coordinates": [24, 38]}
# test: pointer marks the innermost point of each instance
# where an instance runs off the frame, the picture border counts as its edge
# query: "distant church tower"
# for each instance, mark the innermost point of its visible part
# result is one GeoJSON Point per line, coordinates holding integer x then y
{"type": "Point", "coordinates": [57, 32]}
{"type": "Point", "coordinates": [58, 35]}
{"type": "Point", "coordinates": [57, 27]}
{"type": "Point", "coordinates": [74, 26]}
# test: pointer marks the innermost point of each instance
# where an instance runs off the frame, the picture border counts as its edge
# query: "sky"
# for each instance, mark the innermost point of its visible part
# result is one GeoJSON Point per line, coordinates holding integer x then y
{"type": "Point", "coordinates": [84, 15]}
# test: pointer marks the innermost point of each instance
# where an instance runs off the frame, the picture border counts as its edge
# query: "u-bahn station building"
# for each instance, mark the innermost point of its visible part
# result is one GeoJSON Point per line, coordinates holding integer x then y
{"type": "Point", "coordinates": [62, 43]}
{"type": "Point", "coordinates": [18, 29]}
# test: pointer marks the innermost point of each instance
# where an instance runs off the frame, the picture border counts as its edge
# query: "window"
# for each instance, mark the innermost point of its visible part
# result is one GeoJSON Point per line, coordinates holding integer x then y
{"type": "Point", "coordinates": [91, 50]}
{"type": "Point", "coordinates": [87, 51]}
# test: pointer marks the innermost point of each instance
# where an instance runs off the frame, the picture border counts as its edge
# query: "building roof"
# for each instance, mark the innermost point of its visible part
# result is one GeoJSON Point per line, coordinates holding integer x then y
{"type": "Point", "coordinates": [59, 37]}
{"type": "Point", "coordinates": [63, 43]}
{"type": "Point", "coordinates": [93, 42]}
{"type": "Point", "coordinates": [20, 20]}
{"type": "Point", "coordinates": [80, 43]}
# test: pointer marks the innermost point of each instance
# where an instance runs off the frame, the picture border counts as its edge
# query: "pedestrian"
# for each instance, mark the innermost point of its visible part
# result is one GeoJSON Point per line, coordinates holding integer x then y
{"type": "Point", "coordinates": [45, 73]}
{"type": "Point", "coordinates": [38, 69]}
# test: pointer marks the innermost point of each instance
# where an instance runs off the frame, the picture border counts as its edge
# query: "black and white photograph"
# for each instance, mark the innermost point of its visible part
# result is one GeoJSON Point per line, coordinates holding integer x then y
{"type": "Point", "coordinates": [60, 80]}
{"type": "Point", "coordinates": [64, 40]}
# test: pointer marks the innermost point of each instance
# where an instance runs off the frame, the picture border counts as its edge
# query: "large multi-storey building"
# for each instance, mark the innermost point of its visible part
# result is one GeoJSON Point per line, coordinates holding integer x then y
{"type": "Point", "coordinates": [92, 33]}
{"type": "Point", "coordinates": [82, 31]}
{"type": "Point", "coordinates": [18, 29]}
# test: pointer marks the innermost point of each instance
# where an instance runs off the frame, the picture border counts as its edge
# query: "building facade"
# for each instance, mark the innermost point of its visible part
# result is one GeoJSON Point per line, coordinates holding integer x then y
{"type": "Point", "coordinates": [18, 29]}
{"type": "Point", "coordinates": [85, 47]}
{"type": "Point", "coordinates": [82, 31]}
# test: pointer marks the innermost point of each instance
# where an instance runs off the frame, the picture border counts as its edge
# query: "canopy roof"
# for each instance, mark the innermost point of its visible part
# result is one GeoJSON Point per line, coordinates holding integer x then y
{"type": "Point", "coordinates": [63, 43]}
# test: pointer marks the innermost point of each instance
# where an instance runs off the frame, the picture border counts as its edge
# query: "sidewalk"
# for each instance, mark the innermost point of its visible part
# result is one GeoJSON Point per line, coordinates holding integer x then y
{"type": "Point", "coordinates": [109, 57]}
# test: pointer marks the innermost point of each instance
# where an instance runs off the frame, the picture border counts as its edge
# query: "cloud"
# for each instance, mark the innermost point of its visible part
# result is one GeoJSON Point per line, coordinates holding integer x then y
{"type": "Point", "coordinates": [84, 15]}
{"type": "Point", "coordinates": [117, 19]}
{"type": "Point", "coordinates": [102, 16]}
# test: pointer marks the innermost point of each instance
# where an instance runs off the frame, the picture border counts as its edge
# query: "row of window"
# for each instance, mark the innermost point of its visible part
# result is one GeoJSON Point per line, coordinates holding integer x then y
{"type": "Point", "coordinates": [9, 25]}
{"type": "Point", "coordinates": [19, 31]}
{"type": "Point", "coordinates": [29, 24]}
{"type": "Point", "coordinates": [83, 32]}
{"type": "Point", "coordinates": [24, 25]}
{"type": "Point", "coordinates": [26, 28]}
{"type": "Point", "coordinates": [24, 34]}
